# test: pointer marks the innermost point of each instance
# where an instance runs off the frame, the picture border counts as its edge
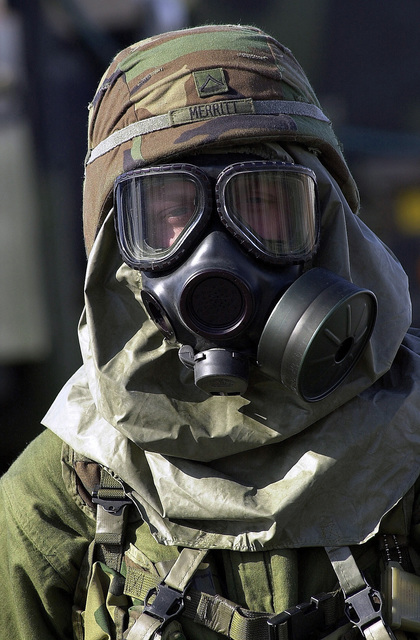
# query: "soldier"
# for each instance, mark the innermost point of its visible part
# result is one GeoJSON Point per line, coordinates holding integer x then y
{"type": "Point", "coordinates": [237, 456]}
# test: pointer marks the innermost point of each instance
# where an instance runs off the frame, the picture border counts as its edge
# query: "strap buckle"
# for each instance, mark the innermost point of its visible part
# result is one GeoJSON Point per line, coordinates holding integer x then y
{"type": "Point", "coordinates": [364, 608]}
{"type": "Point", "coordinates": [114, 506]}
{"type": "Point", "coordinates": [303, 621]}
{"type": "Point", "coordinates": [167, 604]}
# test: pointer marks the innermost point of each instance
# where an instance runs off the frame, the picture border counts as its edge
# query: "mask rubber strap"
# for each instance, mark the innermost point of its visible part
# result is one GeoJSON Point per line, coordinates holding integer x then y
{"type": "Point", "coordinates": [363, 604]}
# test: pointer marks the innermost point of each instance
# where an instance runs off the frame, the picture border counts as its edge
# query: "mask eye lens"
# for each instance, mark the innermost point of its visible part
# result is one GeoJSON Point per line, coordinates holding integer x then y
{"type": "Point", "coordinates": [159, 211]}
{"type": "Point", "coordinates": [273, 209]}
{"type": "Point", "coordinates": [168, 206]}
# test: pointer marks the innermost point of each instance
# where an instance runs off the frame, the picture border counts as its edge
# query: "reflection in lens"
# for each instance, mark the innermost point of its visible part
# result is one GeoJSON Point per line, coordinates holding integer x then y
{"type": "Point", "coordinates": [276, 209]}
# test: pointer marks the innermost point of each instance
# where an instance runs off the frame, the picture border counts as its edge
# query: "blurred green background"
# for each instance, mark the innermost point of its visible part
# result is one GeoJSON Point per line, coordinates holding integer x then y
{"type": "Point", "coordinates": [362, 58]}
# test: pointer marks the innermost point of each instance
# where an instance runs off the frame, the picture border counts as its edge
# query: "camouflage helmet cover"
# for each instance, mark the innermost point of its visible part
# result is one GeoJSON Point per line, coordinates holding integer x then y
{"type": "Point", "coordinates": [207, 86]}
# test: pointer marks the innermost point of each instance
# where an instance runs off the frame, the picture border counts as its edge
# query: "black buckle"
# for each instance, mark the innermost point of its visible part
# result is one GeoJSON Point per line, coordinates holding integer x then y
{"type": "Point", "coordinates": [303, 621]}
{"type": "Point", "coordinates": [168, 603]}
{"type": "Point", "coordinates": [111, 505]}
{"type": "Point", "coordinates": [364, 608]}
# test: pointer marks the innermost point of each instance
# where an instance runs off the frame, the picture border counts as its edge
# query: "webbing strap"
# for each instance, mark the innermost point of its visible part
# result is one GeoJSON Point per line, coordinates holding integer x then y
{"type": "Point", "coordinates": [176, 117]}
{"type": "Point", "coordinates": [144, 628]}
{"type": "Point", "coordinates": [377, 631]}
{"type": "Point", "coordinates": [157, 609]}
{"type": "Point", "coordinates": [111, 499]}
{"type": "Point", "coordinates": [227, 618]}
{"type": "Point", "coordinates": [363, 603]}
{"type": "Point", "coordinates": [345, 567]}
{"type": "Point", "coordinates": [185, 567]}
{"type": "Point", "coordinates": [110, 487]}
{"type": "Point", "coordinates": [214, 612]}
{"type": "Point", "coordinates": [138, 583]}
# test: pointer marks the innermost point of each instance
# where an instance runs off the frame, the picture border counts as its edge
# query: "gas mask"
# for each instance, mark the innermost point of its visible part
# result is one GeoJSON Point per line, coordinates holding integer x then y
{"type": "Point", "coordinates": [225, 255]}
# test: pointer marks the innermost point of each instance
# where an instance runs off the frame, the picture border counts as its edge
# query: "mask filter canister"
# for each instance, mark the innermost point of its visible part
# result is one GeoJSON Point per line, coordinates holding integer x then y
{"type": "Point", "coordinates": [316, 333]}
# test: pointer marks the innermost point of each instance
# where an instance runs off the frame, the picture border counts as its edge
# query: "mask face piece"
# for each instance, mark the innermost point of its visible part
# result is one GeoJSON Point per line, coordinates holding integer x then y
{"type": "Point", "coordinates": [222, 255]}
{"type": "Point", "coordinates": [216, 302]}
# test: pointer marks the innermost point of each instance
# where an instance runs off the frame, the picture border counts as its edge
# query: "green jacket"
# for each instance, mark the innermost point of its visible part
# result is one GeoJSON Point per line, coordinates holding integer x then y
{"type": "Point", "coordinates": [44, 538]}
{"type": "Point", "coordinates": [47, 527]}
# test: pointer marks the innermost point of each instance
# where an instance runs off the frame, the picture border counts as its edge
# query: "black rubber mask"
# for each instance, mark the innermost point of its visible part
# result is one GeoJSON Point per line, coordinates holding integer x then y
{"type": "Point", "coordinates": [223, 255]}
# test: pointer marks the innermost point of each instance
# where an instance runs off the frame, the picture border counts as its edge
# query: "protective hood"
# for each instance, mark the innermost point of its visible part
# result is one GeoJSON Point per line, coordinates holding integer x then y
{"type": "Point", "coordinates": [266, 469]}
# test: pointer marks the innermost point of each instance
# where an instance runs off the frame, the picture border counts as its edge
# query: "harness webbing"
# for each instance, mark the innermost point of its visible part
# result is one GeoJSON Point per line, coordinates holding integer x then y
{"type": "Point", "coordinates": [225, 617]}
{"type": "Point", "coordinates": [112, 504]}
{"type": "Point", "coordinates": [165, 600]}
{"type": "Point", "coordinates": [363, 604]}
{"type": "Point", "coordinates": [156, 613]}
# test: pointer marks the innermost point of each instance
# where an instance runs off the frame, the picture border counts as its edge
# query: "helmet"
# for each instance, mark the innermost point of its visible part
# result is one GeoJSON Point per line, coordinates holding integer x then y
{"type": "Point", "coordinates": [194, 89]}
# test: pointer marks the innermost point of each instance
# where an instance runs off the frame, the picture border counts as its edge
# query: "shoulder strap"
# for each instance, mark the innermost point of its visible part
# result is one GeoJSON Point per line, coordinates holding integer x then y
{"type": "Point", "coordinates": [363, 604]}
{"type": "Point", "coordinates": [112, 508]}
{"type": "Point", "coordinates": [165, 601]}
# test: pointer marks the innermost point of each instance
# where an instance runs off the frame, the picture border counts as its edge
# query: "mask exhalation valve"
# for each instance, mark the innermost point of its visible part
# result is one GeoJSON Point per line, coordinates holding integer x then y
{"type": "Point", "coordinates": [218, 372]}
